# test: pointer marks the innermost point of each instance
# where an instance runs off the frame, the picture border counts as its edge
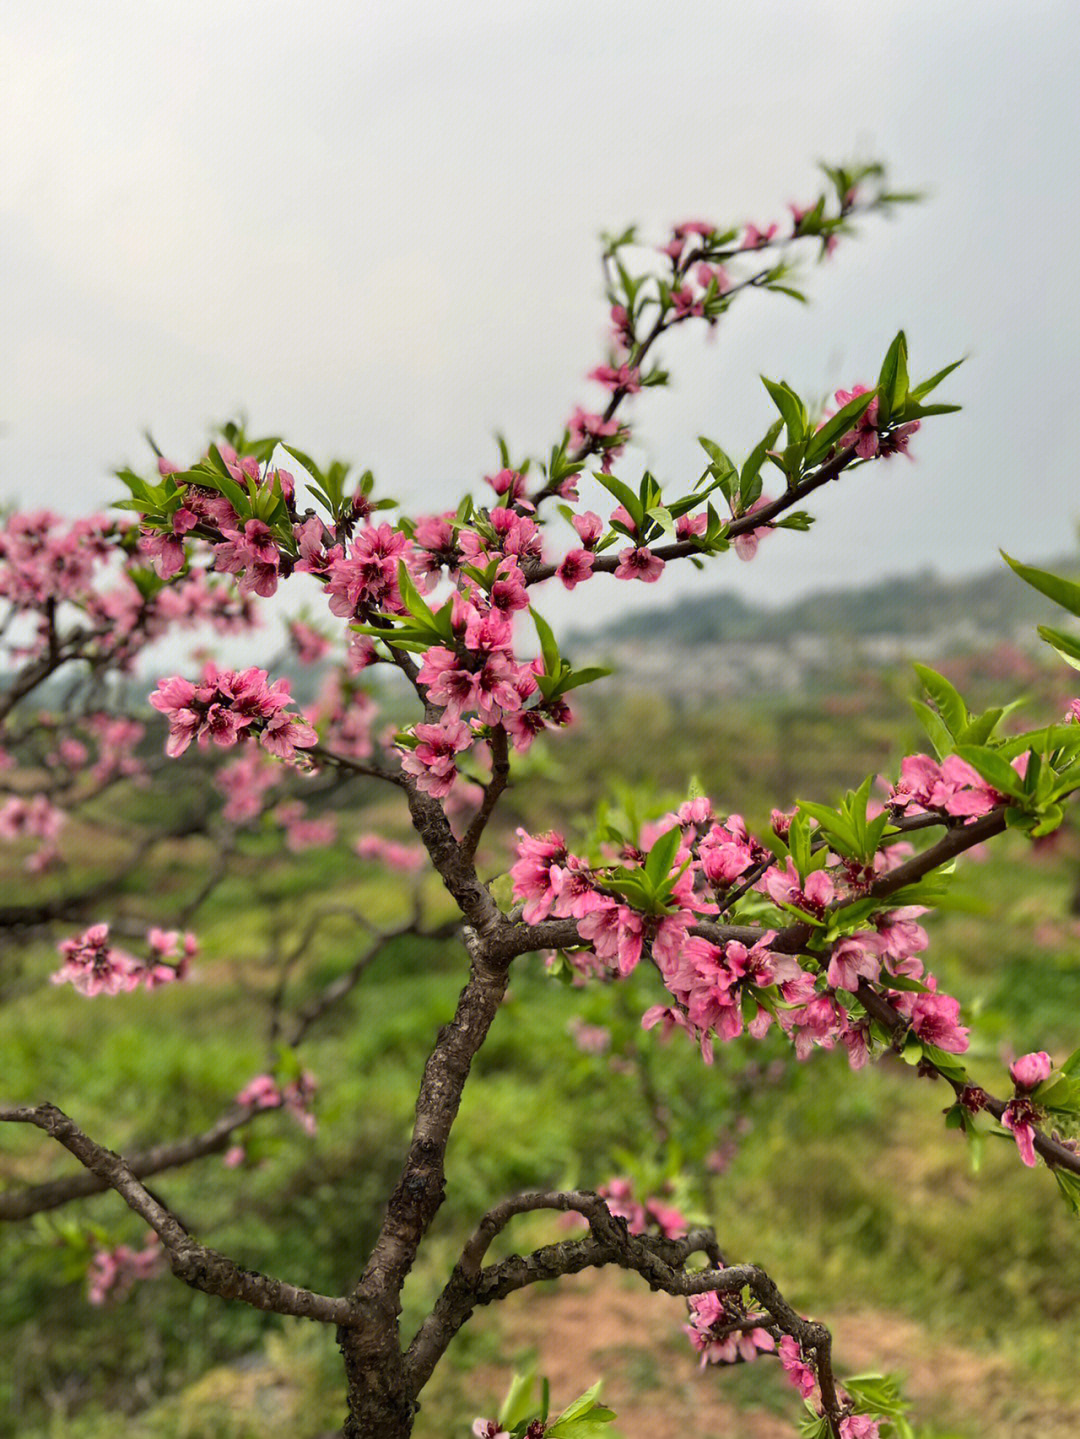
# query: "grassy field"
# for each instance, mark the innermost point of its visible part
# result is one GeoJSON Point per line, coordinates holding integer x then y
{"type": "Point", "coordinates": [847, 1187]}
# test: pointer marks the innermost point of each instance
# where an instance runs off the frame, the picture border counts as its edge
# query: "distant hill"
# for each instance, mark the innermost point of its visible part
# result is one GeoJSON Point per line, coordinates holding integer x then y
{"type": "Point", "coordinates": [722, 645]}
{"type": "Point", "coordinates": [993, 604]}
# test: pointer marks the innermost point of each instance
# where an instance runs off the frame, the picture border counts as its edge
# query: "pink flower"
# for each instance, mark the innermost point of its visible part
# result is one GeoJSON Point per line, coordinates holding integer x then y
{"type": "Point", "coordinates": [798, 1371]}
{"type": "Point", "coordinates": [536, 873]}
{"type": "Point", "coordinates": [860, 1426]}
{"type": "Point", "coordinates": [711, 1332]}
{"type": "Point", "coordinates": [309, 644]}
{"type": "Point", "coordinates": [93, 967]}
{"type": "Point", "coordinates": [432, 761]}
{"type": "Point", "coordinates": [865, 436]}
{"type": "Point", "coordinates": [753, 238]}
{"type": "Point", "coordinates": [593, 432]}
{"type": "Point", "coordinates": [261, 1092]}
{"type": "Point", "coordinates": [590, 527]}
{"type": "Point", "coordinates": [746, 545]}
{"type": "Point", "coordinates": [855, 957]}
{"type": "Point", "coordinates": [576, 566]}
{"type": "Point", "coordinates": [688, 526]}
{"type": "Point", "coordinates": [1019, 1117]}
{"type": "Point", "coordinates": [448, 683]}
{"type": "Point", "coordinates": [626, 378]}
{"type": "Point", "coordinates": [639, 564]}
{"type": "Point", "coordinates": [934, 1017]}
{"type": "Point", "coordinates": [1029, 1071]}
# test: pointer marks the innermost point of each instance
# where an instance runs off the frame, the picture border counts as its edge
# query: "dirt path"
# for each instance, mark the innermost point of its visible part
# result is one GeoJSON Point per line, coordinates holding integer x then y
{"type": "Point", "coordinates": [595, 1325]}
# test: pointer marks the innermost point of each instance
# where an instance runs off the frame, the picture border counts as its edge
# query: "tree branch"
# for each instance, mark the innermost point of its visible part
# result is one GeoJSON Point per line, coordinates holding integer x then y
{"type": "Point", "coordinates": [660, 1261]}
{"type": "Point", "coordinates": [201, 1267]}
{"type": "Point", "coordinates": [500, 775]}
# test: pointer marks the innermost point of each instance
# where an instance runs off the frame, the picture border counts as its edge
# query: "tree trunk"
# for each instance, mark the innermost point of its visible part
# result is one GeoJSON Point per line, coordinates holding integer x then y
{"type": "Point", "coordinates": [379, 1403]}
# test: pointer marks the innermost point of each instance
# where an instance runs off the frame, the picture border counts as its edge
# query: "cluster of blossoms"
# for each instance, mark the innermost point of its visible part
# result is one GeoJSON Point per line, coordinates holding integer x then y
{"type": "Point", "coordinates": [228, 706]}
{"type": "Point", "coordinates": [868, 440]}
{"type": "Point", "coordinates": [803, 1377]}
{"type": "Point", "coordinates": [951, 787]}
{"type": "Point", "coordinates": [245, 782]}
{"type": "Point", "coordinates": [45, 558]}
{"type": "Point", "coordinates": [345, 715]}
{"type": "Point", "coordinates": [720, 988]}
{"type": "Point", "coordinates": [304, 831]}
{"type": "Point", "coordinates": [94, 966]}
{"type": "Point", "coordinates": [719, 1331]}
{"type": "Point", "coordinates": [114, 1272]}
{"type": "Point", "coordinates": [264, 1092]}
{"type": "Point", "coordinates": [50, 568]}
{"type": "Point", "coordinates": [33, 817]}
{"type": "Point", "coordinates": [391, 852]}
{"type": "Point", "coordinates": [651, 1216]}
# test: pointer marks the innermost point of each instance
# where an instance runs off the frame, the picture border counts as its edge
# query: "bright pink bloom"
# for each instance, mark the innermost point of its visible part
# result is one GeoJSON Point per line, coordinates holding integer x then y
{"type": "Point", "coordinates": [860, 1426]}
{"type": "Point", "coordinates": [710, 1331]}
{"type": "Point", "coordinates": [576, 566]}
{"type": "Point", "coordinates": [855, 957]}
{"type": "Point", "coordinates": [93, 967]}
{"type": "Point", "coordinates": [798, 1371]}
{"type": "Point", "coordinates": [935, 1018]}
{"type": "Point", "coordinates": [639, 564]}
{"type": "Point", "coordinates": [753, 238]}
{"type": "Point", "coordinates": [448, 684]}
{"type": "Point", "coordinates": [432, 761]}
{"type": "Point", "coordinates": [1019, 1117]}
{"type": "Point", "coordinates": [626, 378]}
{"type": "Point", "coordinates": [593, 432]}
{"type": "Point", "coordinates": [687, 526]}
{"type": "Point", "coordinates": [590, 527]}
{"type": "Point", "coordinates": [746, 545]}
{"type": "Point", "coordinates": [1029, 1071]}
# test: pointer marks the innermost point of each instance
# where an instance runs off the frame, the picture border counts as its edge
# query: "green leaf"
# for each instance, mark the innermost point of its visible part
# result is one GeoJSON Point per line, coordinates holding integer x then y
{"type": "Point", "coordinates": [797, 520]}
{"type": "Point", "coordinates": [751, 469]}
{"type": "Point", "coordinates": [1069, 1184]}
{"type": "Point", "coordinates": [788, 290]}
{"type": "Point", "coordinates": [518, 1405]}
{"type": "Point", "coordinates": [223, 483]}
{"type": "Point", "coordinates": [921, 391]}
{"type": "Point", "coordinates": [911, 411]}
{"type": "Point", "coordinates": [934, 726]}
{"type": "Point", "coordinates": [792, 410]}
{"type": "Point", "coordinates": [625, 496]}
{"type": "Point", "coordinates": [833, 430]}
{"type": "Point", "coordinates": [893, 379]}
{"type": "Point", "coordinates": [548, 647]}
{"type": "Point", "coordinates": [1063, 592]}
{"type": "Point", "coordinates": [997, 772]}
{"type": "Point", "coordinates": [833, 825]}
{"type": "Point", "coordinates": [413, 600]}
{"type": "Point", "coordinates": [309, 464]}
{"type": "Point", "coordinates": [581, 1405]}
{"type": "Point", "coordinates": [950, 706]}
{"type": "Point", "coordinates": [1067, 646]}
{"type": "Point", "coordinates": [662, 856]}
{"type": "Point", "coordinates": [587, 676]}
{"type": "Point", "coordinates": [980, 727]}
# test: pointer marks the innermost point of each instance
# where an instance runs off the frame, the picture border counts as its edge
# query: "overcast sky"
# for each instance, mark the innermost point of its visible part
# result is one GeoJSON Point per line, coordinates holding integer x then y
{"type": "Point", "coordinates": [373, 228]}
